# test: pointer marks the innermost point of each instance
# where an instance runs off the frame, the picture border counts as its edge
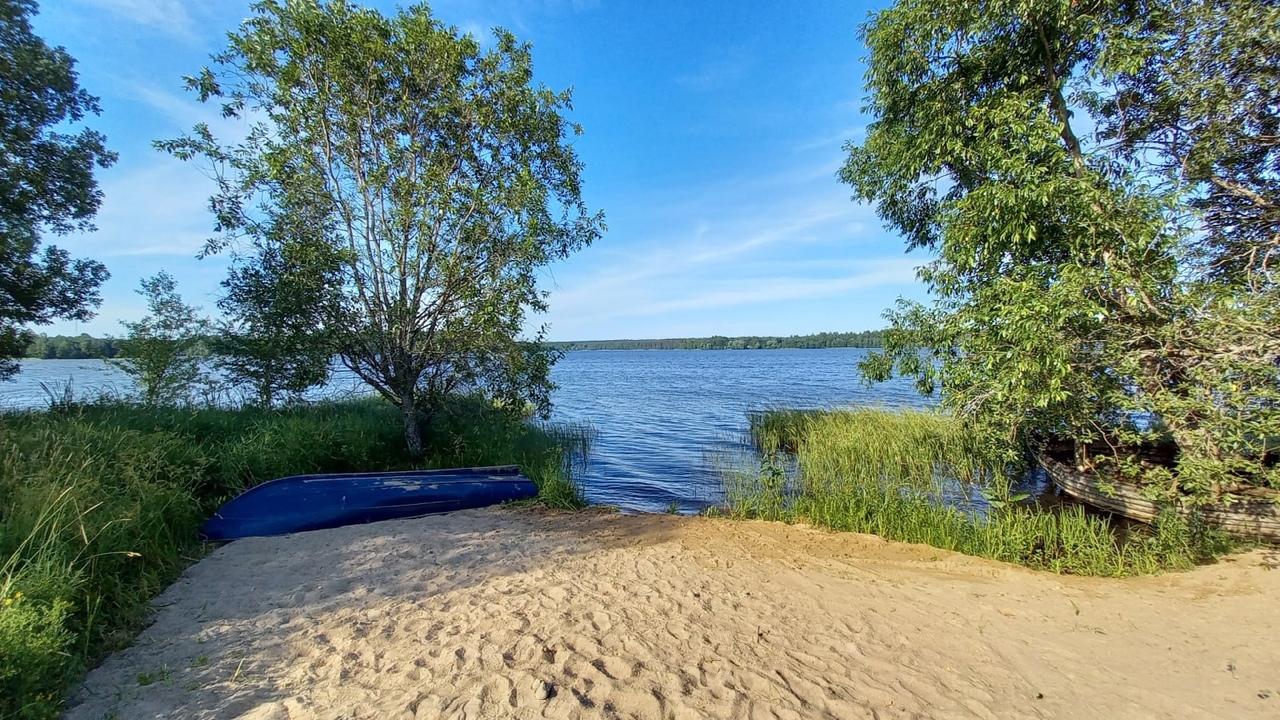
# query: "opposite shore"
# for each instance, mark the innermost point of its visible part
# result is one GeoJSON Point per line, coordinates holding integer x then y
{"type": "Point", "coordinates": [85, 346]}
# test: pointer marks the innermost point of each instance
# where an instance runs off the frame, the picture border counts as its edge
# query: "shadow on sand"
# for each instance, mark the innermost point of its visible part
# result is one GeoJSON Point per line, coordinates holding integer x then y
{"type": "Point", "coordinates": [228, 626]}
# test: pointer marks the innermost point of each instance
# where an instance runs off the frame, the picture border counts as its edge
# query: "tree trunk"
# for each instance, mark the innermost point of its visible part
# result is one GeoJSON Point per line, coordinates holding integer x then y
{"type": "Point", "coordinates": [266, 394]}
{"type": "Point", "coordinates": [412, 429]}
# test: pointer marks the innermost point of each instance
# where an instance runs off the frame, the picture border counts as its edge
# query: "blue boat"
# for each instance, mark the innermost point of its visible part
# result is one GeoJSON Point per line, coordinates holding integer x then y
{"type": "Point", "coordinates": [315, 502]}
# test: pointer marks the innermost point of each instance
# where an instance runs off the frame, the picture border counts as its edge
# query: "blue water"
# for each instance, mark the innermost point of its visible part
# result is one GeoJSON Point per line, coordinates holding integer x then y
{"type": "Point", "coordinates": [663, 417]}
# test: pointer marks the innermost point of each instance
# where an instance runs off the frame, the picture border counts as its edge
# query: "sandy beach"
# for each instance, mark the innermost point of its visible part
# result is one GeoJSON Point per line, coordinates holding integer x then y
{"type": "Point", "coordinates": [527, 613]}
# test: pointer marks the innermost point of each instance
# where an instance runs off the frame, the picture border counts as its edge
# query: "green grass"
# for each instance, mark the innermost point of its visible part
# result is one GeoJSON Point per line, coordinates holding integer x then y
{"type": "Point", "coordinates": [882, 472]}
{"type": "Point", "coordinates": [100, 504]}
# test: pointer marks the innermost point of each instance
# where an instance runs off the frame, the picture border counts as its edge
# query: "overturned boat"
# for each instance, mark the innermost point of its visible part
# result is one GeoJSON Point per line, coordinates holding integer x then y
{"type": "Point", "coordinates": [316, 502]}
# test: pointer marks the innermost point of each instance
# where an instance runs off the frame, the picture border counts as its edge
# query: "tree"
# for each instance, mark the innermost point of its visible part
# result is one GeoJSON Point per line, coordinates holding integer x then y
{"type": "Point", "coordinates": [1197, 111]}
{"type": "Point", "coordinates": [1081, 279]}
{"type": "Point", "coordinates": [973, 155]}
{"type": "Point", "coordinates": [46, 184]}
{"type": "Point", "coordinates": [1197, 107]}
{"type": "Point", "coordinates": [435, 173]}
{"type": "Point", "coordinates": [273, 337]}
{"type": "Point", "coordinates": [159, 350]}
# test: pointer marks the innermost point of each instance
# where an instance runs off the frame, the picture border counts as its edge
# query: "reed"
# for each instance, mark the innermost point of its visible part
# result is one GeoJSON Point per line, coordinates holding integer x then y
{"type": "Point", "coordinates": [557, 477]}
{"type": "Point", "coordinates": [885, 472]}
{"type": "Point", "coordinates": [100, 504]}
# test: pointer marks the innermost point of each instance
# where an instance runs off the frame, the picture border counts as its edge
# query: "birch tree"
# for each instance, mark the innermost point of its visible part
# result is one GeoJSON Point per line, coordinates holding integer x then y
{"type": "Point", "coordinates": [434, 170]}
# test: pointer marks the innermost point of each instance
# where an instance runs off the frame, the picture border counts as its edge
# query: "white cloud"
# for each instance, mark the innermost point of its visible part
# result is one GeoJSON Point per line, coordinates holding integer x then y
{"type": "Point", "coordinates": [168, 16]}
{"type": "Point", "coordinates": [185, 111]}
{"type": "Point", "coordinates": [155, 209]}
{"type": "Point", "coordinates": [763, 247]}
{"type": "Point", "coordinates": [750, 291]}
{"type": "Point", "coordinates": [837, 139]}
{"type": "Point", "coordinates": [153, 217]}
{"type": "Point", "coordinates": [716, 72]}
{"type": "Point", "coordinates": [482, 33]}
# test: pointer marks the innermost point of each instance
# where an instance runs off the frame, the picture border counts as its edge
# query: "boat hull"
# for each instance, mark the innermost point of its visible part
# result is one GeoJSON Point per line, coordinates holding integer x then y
{"type": "Point", "coordinates": [317, 502]}
{"type": "Point", "coordinates": [1256, 519]}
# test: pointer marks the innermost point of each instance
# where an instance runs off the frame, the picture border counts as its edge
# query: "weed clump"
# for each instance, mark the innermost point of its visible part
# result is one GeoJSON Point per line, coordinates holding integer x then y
{"type": "Point", "coordinates": [890, 473]}
{"type": "Point", "coordinates": [100, 504]}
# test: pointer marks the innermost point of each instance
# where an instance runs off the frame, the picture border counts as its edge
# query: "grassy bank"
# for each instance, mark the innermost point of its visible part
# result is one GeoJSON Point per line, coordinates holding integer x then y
{"type": "Point", "coordinates": [886, 472]}
{"type": "Point", "coordinates": [100, 503]}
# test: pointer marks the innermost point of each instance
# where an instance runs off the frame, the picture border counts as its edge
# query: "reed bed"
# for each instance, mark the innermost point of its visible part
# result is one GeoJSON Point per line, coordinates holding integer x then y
{"type": "Point", "coordinates": [887, 472]}
{"type": "Point", "coordinates": [873, 445]}
{"type": "Point", "coordinates": [100, 504]}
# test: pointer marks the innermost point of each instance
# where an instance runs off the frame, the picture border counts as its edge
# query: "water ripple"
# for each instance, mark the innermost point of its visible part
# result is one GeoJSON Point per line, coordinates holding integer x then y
{"type": "Point", "coordinates": [663, 414]}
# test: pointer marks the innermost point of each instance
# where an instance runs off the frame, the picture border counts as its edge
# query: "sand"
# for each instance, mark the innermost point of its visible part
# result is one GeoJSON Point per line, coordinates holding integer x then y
{"type": "Point", "coordinates": [529, 613]}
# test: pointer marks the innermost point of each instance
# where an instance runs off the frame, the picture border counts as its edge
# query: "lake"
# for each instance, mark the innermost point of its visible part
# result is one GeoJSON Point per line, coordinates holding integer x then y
{"type": "Point", "coordinates": [663, 417]}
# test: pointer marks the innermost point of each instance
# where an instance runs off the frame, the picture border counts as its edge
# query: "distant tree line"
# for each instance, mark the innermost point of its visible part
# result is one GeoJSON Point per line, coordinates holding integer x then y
{"type": "Point", "coordinates": [864, 339]}
{"type": "Point", "coordinates": [71, 347]}
{"type": "Point", "coordinates": [84, 346]}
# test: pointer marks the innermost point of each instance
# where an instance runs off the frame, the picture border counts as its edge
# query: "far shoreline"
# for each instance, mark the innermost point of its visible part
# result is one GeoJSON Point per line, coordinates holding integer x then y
{"type": "Point", "coordinates": [715, 349]}
{"type": "Point", "coordinates": [88, 347]}
{"type": "Point", "coordinates": [866, 339]}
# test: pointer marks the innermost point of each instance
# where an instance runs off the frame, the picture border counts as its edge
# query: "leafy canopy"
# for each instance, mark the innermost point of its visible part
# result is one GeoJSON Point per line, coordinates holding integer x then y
{"type": "Point", "coordinates": [46, 184]}
{"type": "Point", "coordinates": [1099, 202]}
{"type": "Point", "coordinates": [272, 339]}
{"type": "Point", "coordinates": [433, 173]}
{"type": "Point", "coordinates": [160, 351]}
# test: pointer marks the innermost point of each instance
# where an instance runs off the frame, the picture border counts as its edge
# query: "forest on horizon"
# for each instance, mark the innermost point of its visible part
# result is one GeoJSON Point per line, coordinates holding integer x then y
{"type": "Point", "coordinates": [85, 346]}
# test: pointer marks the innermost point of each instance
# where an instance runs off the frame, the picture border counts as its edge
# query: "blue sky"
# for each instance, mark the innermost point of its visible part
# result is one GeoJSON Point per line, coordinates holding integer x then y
{"type": "Point", "coordinates": [713, 136]}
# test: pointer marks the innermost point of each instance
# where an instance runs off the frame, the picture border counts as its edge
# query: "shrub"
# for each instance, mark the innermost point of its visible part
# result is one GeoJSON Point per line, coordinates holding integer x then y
{"type": "Point", "coordinates": [889, 473]}
{"type": "Point", "coordinates": [100, 505]}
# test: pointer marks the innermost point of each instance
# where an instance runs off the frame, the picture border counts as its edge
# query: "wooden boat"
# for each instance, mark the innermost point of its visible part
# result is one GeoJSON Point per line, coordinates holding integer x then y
{"type": "Point", "coordinates": [315, 502]}
{"type": "Point", "coordinates": [1254, 516]}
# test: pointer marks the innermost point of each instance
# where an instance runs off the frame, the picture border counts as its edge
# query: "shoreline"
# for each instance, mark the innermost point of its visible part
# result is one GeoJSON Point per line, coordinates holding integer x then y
{"type": "Point", "coordinates": [532, 613]}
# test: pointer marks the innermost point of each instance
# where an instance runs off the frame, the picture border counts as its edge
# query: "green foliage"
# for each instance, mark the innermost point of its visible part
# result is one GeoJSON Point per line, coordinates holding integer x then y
{"type": "Point", "coordinates": [46, 184]}
{"type": "Point", "coordinates": [94, 521]}
{"type": "Point", "coordinates": [1026, 227]}
{"type": "Point", "coordinates": [35, 645]}
{"type": "Point", "coordinates": [160, 350]}
{"type": "Point", "coordinates": [100, 503]}
{"type": "Point", "coordinates": [437, 176]}
{"type": "Point", "coordinates": [1197, 110]}
{"type": "Point", "coordinates": [868, 445]}
{"type": "Point", "coordinates": [1210, 375]}
{"type": "Point", "coordinates": [1080, 281]}
{"type": "Point", "coordinates": [1197, 86]}
{"type": "Point", "coordinates": [557, 478]}
{"type": "Point", "coordinates": [273, 338]}
{"type": "Point", "coordinates": [884, 472]}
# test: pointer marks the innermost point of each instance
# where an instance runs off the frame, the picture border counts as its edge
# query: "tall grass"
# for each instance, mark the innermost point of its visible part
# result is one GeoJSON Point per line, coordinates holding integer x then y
{"type": "Point", "coordinates": [886, 472]}
{"type": "Point", "coordinates": [100, 505]}
{"type": "Point", "coordinates": [873, 445]}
